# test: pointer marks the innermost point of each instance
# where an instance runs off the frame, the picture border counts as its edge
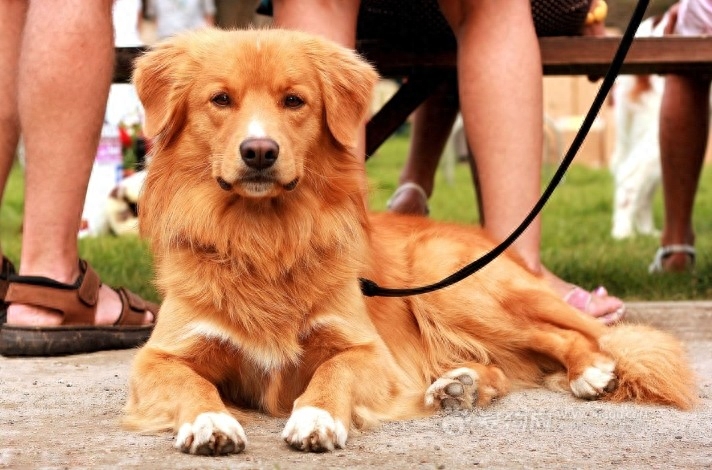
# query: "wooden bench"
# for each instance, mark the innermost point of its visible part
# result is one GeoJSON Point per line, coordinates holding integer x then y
{"type": "Point", "coordinates": [588, 56]}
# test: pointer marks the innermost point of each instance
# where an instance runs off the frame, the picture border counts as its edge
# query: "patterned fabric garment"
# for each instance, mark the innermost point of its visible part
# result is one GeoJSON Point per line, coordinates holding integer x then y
{"type": "Point", "coordinates": [420, 25]}
{"type": "Point", "coordinates": [559, 17]}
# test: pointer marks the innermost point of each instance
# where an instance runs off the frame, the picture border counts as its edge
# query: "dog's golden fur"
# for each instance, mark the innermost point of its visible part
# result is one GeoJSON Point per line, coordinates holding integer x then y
{"type": "Point", "coordinates": [259, 268]}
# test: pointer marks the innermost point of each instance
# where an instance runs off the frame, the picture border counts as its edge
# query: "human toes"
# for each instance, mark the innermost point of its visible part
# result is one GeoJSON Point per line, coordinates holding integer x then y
{"type": "Point", "coordinates": [597, 303]}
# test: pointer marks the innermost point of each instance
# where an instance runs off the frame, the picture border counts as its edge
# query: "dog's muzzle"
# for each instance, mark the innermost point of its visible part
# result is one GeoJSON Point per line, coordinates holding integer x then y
{"type": "Point", "coordinates": [259, 155]}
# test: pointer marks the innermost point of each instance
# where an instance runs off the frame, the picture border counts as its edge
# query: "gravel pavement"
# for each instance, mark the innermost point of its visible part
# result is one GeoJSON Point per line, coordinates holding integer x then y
{"type": "Point", "coordinates": [64, 413]}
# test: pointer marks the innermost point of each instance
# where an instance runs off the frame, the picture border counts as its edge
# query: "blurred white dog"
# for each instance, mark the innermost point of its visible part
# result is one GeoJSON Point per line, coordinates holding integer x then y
{"type": "Point", "coordinates": [635, 162]}
{"type": "Point", "coordinates": [121, 211]}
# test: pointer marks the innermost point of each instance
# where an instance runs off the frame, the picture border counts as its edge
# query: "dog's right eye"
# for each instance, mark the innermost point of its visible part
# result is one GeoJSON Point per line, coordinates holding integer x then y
{"type": "Point", "coordinates": [221, 99]}
{"type": "Point", "coordinates": [293, 101]}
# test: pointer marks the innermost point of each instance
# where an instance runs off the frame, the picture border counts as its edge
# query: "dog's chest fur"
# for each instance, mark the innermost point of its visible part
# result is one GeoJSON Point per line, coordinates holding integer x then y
{"type": "Point", "coordinates": [265, 299]}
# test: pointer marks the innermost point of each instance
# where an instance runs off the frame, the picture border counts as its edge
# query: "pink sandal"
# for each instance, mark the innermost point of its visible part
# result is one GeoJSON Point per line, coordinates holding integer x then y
{"type": "Point", "coordinates": [609, 311]}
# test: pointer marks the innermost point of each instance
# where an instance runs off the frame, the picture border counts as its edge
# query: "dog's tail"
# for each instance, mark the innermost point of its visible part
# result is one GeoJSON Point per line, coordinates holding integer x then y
{"type": "Point", "coordinates": [652, 366]}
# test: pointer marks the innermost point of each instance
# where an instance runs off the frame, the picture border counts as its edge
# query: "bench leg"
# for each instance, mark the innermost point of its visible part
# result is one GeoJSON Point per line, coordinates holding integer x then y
{"type": "Point", "coordinates": [393, 114]}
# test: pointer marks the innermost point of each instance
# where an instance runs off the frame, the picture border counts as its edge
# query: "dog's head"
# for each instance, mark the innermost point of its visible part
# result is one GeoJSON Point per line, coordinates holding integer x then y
{"type": "Point", "coordinates": [257, 108]}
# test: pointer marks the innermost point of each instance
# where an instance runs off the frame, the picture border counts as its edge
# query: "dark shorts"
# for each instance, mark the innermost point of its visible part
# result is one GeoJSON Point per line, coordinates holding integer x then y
{"type": "Point", "coordinates": [420, 24]}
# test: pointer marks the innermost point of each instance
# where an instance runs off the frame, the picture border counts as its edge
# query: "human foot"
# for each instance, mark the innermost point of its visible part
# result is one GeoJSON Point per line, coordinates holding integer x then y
{"type": "Point", "coordinates": [597, 303]}
{"type": "Point", "coordinates": [46, 317]}
{"type": "Point", "coordinates": [673, 258]}
{"type": "Point", "coordinates": [409, 198]}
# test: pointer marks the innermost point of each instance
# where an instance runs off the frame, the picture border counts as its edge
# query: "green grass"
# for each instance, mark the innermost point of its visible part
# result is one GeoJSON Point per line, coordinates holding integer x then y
{"type": "Point", "coordinates": [576, 242]}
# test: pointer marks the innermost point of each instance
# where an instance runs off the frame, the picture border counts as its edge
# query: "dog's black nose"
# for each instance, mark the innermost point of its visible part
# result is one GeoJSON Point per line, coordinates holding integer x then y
{"type": "Point", "coordinates": [259, 153]}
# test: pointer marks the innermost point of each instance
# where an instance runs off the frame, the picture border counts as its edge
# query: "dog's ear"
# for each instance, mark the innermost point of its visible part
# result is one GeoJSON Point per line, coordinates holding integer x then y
{"type": "Point", "coordinates": [347, 84]}
{"type": "Point", "coordinates": [157, 77]}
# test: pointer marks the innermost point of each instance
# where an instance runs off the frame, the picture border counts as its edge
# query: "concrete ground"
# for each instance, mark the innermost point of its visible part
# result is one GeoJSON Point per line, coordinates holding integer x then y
{"type": "Point", "coordinates": [64, 413]}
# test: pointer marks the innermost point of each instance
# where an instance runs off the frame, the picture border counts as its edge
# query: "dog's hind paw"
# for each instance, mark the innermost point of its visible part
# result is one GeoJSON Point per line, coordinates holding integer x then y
{"type": "Point", "coordinates": [211, 434]}
{"type": "Point", "coordinates": [595, 381]}
{"type": "Point", "coordinates": [466, 387]}
{"type": "Point", "coordinates": [314, 430]}
{"type": "Point", "coordinates": [456, 389]}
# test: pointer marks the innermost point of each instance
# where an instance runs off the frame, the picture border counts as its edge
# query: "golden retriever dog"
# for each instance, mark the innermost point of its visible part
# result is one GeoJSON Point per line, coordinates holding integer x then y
{"type": "Point", "coordinates": [254, 209]}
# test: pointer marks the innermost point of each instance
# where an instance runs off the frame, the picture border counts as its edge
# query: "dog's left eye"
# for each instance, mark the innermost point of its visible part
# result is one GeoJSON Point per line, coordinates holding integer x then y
{"type": "Point", "coordinates": [221, 99]}
{"type": "Point", "coordinates": [293, 101]}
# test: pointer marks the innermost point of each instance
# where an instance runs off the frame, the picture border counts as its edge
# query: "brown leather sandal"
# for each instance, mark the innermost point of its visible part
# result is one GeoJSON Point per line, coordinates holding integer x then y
{"type": "Point", "coordinates": [77, 303]}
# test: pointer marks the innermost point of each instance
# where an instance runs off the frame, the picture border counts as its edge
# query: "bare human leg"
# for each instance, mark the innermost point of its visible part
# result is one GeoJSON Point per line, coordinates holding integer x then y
{"type": "Point", "coordinates": [432, 123]}
{"type": "Point", "coordinates": [684, 127]}
{"type": "Point", "coordinates": [500, 81]}
{"type": "Point", "coordinates": [62, 84]}
{"type": "Point", "coordinates": [12, 16]}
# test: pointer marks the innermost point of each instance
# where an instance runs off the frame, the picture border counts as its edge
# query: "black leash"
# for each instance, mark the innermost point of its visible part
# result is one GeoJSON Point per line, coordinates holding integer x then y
{"type": "Point", "coordinates": [370, 289]}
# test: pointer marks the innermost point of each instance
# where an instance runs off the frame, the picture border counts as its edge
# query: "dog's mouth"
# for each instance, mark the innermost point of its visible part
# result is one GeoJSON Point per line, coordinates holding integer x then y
{"type": "Point", "coordinates": [257, 184]}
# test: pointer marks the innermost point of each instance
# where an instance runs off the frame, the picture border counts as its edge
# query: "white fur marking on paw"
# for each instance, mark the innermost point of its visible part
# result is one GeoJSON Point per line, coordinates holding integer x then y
{"type": "Point", "coordinates": [436, 389]}
{"type": "Point", "coordinates": [594, 380]}
{"type": "Point", "coordinates": [255, 129]}
{"type": "Point", "coordinates": [205, 426]}
{"type": "Point", "coordinates": [311, 428]}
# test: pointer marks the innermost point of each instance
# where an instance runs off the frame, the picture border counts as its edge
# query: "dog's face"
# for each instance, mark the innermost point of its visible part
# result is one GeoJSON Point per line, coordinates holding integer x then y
{"type": "Point", "coordinates": [255, 105]}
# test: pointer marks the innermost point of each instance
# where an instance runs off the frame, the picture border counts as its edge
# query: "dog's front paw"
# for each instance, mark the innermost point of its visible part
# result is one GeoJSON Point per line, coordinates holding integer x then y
{"type": "Point", "coordinates": [314, 430]}
{"type": "Point", "coordinates": [595, 381]}
{"type": "Point", "coordinates": [211, 434]}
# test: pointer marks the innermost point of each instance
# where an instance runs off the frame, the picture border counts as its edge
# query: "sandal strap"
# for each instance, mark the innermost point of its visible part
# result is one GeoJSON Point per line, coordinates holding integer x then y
{"type": "Point", "coordinates": [664, 251]}
{"type": "Point", "coordinates": [133, 308]}
{"type": "Point", "coordinates": [409, 185]}
{"type": "Point", "coordinates": [76, 302]}
{"type": "Point", "coordinates": [667, 250]}
{"type": "Point", "coordinates": [6, 271]}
